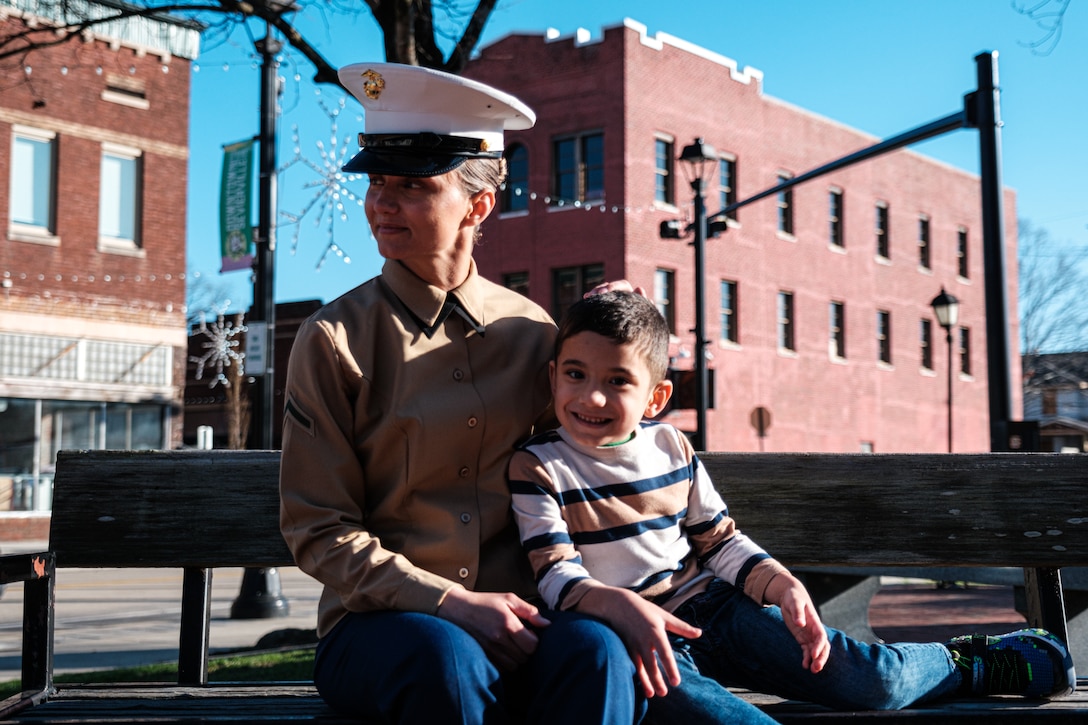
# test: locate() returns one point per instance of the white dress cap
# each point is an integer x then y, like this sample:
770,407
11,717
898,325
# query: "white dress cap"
416,111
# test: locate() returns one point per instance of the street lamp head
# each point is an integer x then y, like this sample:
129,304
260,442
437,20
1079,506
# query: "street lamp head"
699,160
947,309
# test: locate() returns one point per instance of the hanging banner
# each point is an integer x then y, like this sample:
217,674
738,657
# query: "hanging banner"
235,230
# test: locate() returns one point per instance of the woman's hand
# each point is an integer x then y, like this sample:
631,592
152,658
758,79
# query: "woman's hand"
617,285
801,619
496,621
643,626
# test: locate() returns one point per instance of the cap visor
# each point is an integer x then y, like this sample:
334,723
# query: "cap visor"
370,162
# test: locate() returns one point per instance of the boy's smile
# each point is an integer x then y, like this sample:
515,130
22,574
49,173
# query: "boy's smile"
603,390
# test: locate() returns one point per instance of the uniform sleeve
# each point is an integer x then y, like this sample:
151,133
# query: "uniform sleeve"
720,546
323,486
561,578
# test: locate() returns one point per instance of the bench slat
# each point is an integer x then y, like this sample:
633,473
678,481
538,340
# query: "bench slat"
1020,510
135,508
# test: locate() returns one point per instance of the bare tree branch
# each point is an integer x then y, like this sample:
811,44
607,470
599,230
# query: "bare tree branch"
1049,16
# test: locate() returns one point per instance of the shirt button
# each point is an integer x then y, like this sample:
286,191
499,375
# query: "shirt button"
472,422
463,573
463,472
458,375
465,518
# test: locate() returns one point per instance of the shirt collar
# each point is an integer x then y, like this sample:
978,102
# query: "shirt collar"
428,303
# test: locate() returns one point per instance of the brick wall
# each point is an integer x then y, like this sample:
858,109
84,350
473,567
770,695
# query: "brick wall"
637,88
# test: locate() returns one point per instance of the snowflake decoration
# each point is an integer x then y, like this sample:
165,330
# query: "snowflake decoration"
331,195
220,351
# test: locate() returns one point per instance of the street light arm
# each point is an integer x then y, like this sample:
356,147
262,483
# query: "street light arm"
950,122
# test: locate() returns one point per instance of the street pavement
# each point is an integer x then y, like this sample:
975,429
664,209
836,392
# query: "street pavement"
108,618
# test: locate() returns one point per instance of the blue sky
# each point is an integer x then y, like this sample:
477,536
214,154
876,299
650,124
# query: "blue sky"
880,66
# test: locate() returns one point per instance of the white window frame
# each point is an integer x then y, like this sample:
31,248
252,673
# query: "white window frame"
22,231
122,244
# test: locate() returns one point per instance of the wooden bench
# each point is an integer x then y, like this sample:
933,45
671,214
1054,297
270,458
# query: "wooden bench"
201,510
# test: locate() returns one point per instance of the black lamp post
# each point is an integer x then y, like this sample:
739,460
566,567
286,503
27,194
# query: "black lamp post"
947,309
699,160
260,596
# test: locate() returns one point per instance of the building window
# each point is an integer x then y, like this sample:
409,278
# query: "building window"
837,330
569,284
579,168
925,340
884,336
835,218
664,184
923,242
1050,402
965,350
515,190
663,296
119,197
785,206
786,322
33,181
729,321
727,184
517,281
961,252
883,231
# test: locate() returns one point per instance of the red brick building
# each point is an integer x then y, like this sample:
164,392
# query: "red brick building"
817,300
93,163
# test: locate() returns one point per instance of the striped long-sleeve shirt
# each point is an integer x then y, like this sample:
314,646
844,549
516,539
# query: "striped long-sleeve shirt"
642,515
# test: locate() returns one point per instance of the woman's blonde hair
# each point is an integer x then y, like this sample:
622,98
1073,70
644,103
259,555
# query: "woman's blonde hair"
479,174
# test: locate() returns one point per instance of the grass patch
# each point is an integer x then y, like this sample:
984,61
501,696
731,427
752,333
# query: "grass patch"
292,664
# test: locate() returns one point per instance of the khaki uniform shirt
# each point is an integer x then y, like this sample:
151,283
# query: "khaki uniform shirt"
398,428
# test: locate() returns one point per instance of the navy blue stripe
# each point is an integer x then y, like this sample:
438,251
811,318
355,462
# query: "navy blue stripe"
527,488
551,564
714,550
548,436
696,529
653,579
745,570
552,538
624,489
566,590
616,533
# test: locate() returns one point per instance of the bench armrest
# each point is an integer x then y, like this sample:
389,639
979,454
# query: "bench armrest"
37,571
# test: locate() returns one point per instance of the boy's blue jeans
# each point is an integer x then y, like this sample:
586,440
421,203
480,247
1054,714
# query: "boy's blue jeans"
406,667
747,645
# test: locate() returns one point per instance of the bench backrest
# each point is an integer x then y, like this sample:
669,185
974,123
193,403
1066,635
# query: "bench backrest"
990,509
204,509
221,508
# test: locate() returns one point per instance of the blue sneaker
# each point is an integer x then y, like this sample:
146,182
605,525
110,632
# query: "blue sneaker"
1028,662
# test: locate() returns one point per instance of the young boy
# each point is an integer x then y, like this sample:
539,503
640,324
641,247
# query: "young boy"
620,521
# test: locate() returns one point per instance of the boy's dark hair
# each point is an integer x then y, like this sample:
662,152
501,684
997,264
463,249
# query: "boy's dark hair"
624,318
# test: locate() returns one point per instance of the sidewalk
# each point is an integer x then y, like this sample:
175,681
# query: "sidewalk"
108,618
114,618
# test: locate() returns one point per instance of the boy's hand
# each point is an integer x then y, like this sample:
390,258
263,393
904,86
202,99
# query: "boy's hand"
801,619
643,627
496,621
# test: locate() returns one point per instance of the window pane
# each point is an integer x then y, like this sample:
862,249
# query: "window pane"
663,289
565,170
117,199
32,182
593,161
663,171
727,185
515,195
728,317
